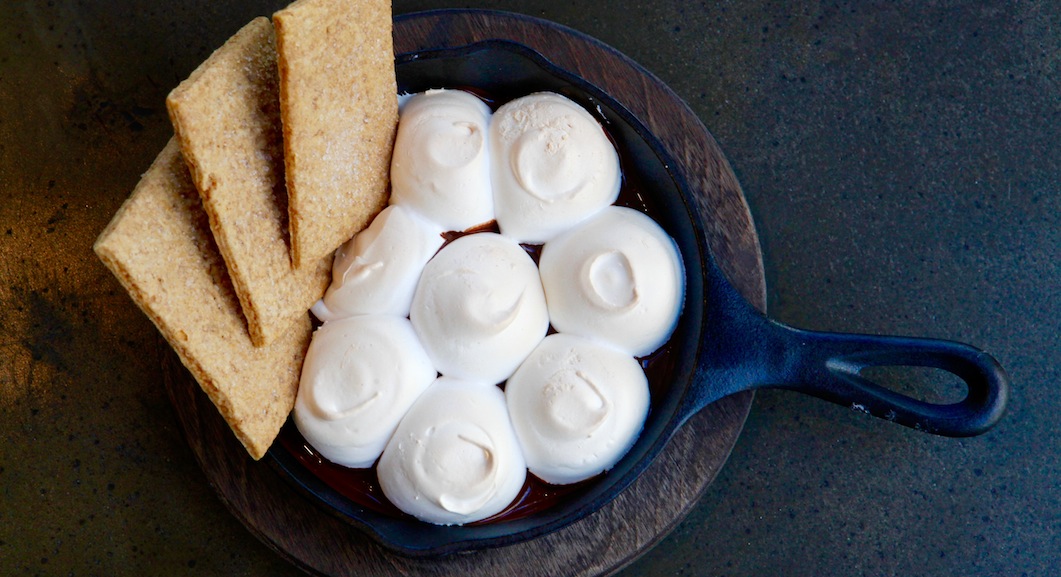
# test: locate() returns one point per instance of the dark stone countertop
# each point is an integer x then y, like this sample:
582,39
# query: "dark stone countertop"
901,161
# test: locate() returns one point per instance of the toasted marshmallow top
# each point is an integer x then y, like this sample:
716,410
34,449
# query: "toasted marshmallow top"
454,458
376,271
360,376
618,278
553,166
577,407
479,308
440,166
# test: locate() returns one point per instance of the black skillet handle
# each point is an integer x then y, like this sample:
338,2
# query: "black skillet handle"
829,366
746,350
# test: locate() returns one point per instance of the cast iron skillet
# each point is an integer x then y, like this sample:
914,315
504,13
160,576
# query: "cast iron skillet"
722,345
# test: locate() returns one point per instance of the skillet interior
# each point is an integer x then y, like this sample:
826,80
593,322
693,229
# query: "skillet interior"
504,70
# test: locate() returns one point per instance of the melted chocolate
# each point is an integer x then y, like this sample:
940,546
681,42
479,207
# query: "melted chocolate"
452,235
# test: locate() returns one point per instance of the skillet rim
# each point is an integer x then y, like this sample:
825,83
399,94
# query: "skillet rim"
425,541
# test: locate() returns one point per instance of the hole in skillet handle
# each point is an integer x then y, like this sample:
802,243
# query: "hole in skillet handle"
831,366
503,70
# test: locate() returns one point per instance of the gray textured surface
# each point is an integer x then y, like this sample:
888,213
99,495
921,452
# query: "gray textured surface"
903,167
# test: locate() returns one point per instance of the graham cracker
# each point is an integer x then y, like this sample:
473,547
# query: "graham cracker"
227,119
160,247
339,105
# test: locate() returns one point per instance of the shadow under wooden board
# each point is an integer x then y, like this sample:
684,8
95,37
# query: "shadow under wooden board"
646,511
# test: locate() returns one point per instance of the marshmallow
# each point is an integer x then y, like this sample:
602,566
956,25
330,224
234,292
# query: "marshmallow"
577,407
359,378
618,278
479,309
440,166
376,271
553,166
454,458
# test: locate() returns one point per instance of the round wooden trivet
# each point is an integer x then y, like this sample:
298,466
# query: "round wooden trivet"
605,541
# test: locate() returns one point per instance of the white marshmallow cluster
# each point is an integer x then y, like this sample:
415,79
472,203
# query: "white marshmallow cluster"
456,449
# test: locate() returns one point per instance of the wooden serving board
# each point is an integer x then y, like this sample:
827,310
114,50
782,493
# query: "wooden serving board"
605,541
